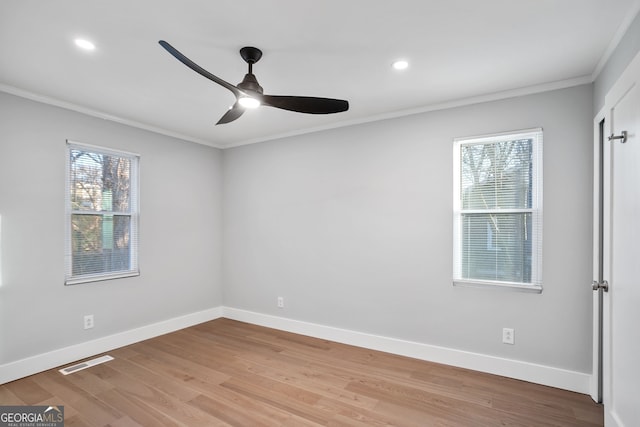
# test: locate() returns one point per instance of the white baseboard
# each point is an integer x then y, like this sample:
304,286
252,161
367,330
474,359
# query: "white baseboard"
540,374
42,362
531,372
593,387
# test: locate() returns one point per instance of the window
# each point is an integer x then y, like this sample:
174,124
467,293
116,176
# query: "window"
102,214
497,209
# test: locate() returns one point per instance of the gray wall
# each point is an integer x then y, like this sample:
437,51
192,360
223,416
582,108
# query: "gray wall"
353,227
626,50
180,231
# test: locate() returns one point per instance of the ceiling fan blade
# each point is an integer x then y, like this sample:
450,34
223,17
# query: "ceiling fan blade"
306,104
198,69
231,114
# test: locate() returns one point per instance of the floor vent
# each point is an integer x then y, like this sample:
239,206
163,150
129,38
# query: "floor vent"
84,365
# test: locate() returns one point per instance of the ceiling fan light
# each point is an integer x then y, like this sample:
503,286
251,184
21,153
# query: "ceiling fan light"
400,64
84,44
248,102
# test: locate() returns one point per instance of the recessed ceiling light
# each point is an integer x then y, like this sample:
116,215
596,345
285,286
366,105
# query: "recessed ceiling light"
400,64
84,44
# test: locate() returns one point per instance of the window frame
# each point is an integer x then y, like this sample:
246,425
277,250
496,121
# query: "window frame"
133,215
536,134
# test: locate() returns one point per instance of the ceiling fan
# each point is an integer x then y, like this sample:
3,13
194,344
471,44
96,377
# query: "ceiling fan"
249,93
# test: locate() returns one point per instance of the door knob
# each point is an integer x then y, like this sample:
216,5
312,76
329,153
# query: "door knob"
622,136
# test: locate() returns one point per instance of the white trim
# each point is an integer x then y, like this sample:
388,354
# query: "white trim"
535,373
629,17
490,137
101,115
487,284
101,277
593,386
620,88
612,420
624,83
99,148
133,214
472,211
496,96
52,359
536,210
526,371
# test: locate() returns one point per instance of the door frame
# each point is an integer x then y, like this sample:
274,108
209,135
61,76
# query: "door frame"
600,124
627,80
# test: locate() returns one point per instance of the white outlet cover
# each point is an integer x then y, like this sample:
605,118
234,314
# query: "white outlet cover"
508,336
88,321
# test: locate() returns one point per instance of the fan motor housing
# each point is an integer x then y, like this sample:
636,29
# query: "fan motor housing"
250,83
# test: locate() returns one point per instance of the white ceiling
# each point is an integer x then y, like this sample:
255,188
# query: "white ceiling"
458,50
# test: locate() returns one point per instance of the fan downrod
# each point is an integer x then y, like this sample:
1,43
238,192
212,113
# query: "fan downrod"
250,54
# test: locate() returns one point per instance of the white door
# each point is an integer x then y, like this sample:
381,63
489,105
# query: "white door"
621,317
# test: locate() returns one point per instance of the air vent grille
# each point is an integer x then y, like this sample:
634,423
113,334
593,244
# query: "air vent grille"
84,365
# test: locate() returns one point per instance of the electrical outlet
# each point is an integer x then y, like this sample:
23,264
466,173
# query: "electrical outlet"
280,302
508,336
88,321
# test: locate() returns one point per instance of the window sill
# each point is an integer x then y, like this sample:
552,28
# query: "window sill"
508,286
100,277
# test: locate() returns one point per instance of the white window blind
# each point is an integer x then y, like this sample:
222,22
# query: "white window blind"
498,210
102,214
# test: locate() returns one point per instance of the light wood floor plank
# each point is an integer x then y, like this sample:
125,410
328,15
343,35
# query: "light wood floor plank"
28,391
228,373
81,401
7,397
138,411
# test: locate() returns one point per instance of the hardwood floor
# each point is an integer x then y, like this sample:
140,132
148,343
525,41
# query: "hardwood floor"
231,373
